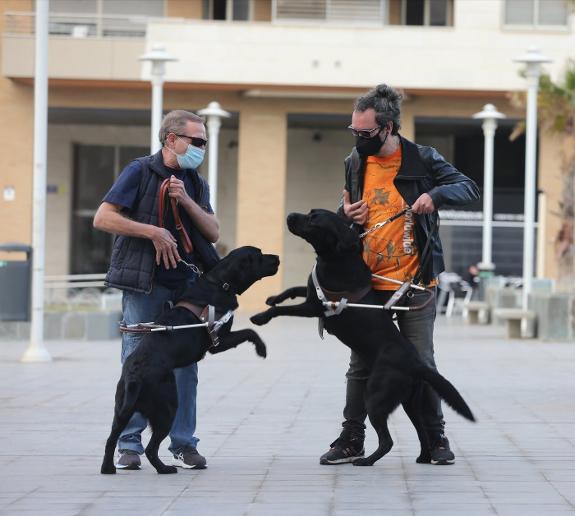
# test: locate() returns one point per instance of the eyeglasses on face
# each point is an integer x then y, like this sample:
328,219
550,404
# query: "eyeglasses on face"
365,133
196,142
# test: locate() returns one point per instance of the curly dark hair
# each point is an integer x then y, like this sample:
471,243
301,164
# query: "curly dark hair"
386,102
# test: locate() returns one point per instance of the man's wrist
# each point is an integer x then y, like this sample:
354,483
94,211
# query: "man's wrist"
150,231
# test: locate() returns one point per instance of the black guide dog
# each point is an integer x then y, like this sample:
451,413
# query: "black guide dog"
147,383
396,371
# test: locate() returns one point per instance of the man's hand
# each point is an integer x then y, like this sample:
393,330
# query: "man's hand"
356,211
423,204
176,189
166,248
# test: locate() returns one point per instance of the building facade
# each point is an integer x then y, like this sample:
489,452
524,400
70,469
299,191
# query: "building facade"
288,71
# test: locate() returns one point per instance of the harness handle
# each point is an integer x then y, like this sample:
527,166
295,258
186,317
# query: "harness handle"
383,223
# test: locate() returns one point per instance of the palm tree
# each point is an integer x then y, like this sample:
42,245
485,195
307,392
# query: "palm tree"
557,112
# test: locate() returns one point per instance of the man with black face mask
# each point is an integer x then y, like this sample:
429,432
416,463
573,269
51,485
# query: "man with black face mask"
385,174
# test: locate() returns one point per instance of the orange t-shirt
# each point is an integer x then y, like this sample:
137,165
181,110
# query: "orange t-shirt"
391,250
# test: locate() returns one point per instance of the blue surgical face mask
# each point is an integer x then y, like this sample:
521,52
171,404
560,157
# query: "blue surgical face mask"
192,158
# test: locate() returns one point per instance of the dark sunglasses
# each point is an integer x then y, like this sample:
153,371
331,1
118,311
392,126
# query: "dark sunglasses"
365,133
196,142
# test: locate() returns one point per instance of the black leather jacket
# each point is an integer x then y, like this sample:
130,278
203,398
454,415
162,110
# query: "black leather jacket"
422,170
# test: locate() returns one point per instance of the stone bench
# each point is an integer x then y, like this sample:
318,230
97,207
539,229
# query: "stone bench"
514,318
478,312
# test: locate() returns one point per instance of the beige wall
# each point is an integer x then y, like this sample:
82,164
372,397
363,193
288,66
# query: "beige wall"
261,188
184,9
16,149
262,10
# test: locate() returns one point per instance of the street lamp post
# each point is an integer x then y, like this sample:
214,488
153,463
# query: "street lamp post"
533,60
158,57
489,115
214,114
36,351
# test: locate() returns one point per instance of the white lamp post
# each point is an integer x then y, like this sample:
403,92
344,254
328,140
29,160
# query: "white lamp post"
158,57
489,115
533,60
214,114
36,351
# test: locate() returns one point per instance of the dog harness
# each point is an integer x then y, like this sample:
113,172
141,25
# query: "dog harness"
206,314
340,300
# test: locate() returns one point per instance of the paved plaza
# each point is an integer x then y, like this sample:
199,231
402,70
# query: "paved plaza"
264,423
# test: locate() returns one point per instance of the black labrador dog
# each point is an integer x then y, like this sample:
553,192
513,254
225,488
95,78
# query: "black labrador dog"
396,371
147,383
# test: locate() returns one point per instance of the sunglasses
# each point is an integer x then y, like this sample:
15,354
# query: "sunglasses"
365,133
196,142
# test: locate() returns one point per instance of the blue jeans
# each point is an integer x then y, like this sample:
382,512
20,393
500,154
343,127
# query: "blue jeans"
138,307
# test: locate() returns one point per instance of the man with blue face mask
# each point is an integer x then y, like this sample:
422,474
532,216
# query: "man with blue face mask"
153,258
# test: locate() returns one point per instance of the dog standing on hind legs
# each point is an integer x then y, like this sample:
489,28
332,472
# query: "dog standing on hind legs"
397,373
147,384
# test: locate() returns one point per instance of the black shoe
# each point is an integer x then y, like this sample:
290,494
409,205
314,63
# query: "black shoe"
343,450
441,453
189,458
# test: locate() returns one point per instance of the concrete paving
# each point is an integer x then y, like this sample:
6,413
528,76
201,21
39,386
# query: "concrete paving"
264,423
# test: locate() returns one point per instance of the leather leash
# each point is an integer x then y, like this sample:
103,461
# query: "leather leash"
185,239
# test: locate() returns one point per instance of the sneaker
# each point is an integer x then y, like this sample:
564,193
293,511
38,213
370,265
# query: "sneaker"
128,460
441,453
189,458
343,450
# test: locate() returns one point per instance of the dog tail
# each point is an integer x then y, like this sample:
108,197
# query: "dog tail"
447,392
131,392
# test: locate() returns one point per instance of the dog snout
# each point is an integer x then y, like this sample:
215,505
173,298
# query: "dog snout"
272,262
295,221
274,259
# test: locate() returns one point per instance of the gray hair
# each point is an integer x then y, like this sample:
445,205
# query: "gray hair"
386,102
175,122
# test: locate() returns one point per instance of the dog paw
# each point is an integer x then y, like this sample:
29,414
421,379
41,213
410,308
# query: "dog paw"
424,458
108,470
271,301
260,319
167,470
261,349
364,461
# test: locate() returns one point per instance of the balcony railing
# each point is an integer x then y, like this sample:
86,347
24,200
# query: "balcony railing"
79,25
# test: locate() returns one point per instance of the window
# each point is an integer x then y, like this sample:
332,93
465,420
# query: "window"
342,11
427,12
533,13
373,12
95,169
84,18
236,10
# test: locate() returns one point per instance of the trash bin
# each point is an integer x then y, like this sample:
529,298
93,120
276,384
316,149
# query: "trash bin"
15,284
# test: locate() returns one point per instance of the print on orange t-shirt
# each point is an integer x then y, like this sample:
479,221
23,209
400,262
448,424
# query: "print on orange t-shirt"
391,250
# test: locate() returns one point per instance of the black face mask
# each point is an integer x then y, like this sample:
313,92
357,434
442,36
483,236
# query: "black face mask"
370,146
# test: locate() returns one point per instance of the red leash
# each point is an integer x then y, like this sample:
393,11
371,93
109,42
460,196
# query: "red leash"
185,239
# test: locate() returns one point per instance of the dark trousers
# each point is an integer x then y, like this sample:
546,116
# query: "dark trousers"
417,326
